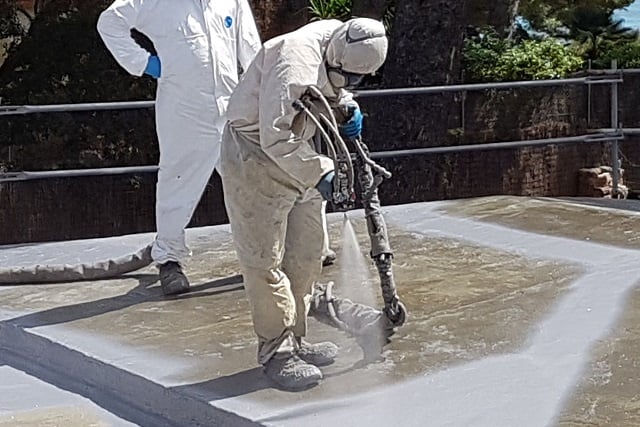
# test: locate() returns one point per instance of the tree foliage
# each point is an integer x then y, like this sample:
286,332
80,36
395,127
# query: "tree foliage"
591,27
551,15
345,9
625,52
328,9
488,57
588,25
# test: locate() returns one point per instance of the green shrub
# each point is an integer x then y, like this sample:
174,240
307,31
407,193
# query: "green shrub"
481,55
330,9
538,60
342,10
627,53
490,58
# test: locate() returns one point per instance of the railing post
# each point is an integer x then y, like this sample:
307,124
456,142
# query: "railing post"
589,98
615,125
463,105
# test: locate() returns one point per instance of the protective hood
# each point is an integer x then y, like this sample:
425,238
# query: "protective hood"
358,46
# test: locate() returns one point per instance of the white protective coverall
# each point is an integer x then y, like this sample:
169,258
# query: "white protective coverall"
270,169
199,43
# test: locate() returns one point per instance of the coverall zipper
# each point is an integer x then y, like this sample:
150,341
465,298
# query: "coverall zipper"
212,61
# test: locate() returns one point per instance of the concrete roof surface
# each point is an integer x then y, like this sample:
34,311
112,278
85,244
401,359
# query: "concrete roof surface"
522,312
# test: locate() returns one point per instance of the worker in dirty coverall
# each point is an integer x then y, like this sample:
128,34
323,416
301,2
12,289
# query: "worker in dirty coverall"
199,44
274,181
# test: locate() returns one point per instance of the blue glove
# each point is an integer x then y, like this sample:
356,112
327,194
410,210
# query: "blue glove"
153,67
353,128
325,186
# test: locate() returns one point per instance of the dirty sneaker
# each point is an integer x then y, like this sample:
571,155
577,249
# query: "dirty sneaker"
329,258
320,354
172,279
292,373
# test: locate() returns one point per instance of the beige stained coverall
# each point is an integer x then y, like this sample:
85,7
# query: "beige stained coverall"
270,169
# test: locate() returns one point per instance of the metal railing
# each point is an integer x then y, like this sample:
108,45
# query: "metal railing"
612,77
594,137
605,79
14,110
67,173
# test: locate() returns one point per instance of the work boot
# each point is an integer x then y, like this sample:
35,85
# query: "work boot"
329,258
292,373
172,279
320,354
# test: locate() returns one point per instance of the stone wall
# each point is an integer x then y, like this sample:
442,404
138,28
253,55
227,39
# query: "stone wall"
493,116
79,208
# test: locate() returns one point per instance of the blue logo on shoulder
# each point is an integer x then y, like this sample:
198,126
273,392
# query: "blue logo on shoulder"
228,21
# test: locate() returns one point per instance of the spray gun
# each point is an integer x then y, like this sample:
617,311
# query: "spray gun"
344,195
361,157
370,176
348,165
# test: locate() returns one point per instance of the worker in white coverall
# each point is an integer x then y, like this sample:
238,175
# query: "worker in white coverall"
274,181
199,44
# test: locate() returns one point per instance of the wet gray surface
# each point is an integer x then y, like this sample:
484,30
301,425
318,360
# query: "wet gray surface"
522,312
607,221
609,391
27,401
